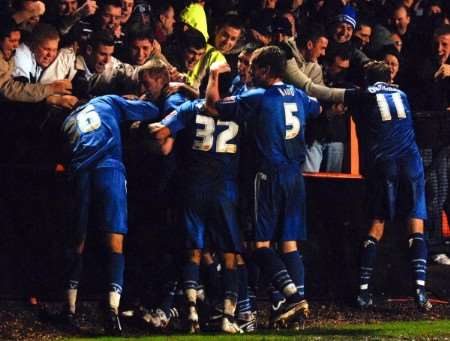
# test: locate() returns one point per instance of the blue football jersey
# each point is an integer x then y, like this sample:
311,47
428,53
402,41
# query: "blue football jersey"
93,130
383,117
209,147
172,102
275,119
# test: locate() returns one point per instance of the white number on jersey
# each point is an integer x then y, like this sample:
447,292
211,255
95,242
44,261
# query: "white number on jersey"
291,120
88,119
206,137
385,111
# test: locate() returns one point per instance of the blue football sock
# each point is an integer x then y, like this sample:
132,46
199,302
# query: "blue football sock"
74,266
275,296
115,272
418,254
212,282
243,303
190,275
231,285
294,264
367,262
253,279
270,263
168,302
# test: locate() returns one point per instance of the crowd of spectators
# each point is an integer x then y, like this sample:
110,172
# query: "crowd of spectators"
59,52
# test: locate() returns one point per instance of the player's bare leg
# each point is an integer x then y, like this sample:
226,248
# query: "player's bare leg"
230,296
190,278
418,255
116,267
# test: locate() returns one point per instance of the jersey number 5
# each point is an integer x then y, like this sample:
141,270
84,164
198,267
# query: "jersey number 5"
206,135
292,121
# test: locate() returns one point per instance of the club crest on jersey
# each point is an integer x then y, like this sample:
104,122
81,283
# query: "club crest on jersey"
286,91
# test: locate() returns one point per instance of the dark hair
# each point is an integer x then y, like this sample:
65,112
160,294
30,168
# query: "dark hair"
192,38
101,37
8,25
342,51
138,31
232,20
363,22
389,49
270,56
159,7
115,3
311,33
442,31
43,32
377,71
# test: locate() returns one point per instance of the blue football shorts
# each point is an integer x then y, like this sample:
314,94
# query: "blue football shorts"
279,211
397,187
210,218
101,197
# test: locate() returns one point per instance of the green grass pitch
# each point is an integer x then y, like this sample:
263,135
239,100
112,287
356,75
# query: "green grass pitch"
412,330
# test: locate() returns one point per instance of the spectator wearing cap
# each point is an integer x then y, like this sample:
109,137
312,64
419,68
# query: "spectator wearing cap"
341,34
343,25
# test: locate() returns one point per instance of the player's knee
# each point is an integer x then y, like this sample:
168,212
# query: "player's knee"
230,260
289,246
195,256
240,260
115,242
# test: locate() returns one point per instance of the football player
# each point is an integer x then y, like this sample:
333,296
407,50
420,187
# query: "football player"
395,173
92,134
275,114
209,200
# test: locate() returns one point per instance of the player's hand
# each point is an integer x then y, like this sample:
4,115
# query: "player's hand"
88,8
176,76
65,101
131,97
173,87
36,8
442,72
117,31
219,67
135,125
156,47
62,87
159,132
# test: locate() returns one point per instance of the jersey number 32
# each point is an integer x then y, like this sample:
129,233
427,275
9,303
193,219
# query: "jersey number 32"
205,135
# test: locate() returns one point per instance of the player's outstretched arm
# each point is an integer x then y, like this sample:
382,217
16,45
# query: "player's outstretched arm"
212,90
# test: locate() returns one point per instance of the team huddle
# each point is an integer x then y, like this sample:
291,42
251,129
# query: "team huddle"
240,194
